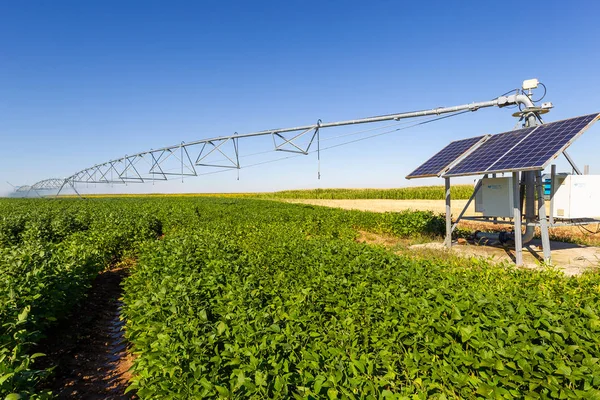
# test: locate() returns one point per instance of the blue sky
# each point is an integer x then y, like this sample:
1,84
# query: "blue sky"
82,82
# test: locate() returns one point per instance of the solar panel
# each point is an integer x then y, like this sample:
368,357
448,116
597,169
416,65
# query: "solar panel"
547,141
480,160
523,149
445,157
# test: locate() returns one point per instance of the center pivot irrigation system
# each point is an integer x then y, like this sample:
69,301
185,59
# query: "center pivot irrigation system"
523,153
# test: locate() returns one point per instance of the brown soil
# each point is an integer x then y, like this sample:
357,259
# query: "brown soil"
377,239
437,206
88,349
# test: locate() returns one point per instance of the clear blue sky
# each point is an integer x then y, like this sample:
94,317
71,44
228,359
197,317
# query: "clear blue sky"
82,82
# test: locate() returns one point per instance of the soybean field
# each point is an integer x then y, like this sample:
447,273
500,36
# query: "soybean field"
239,298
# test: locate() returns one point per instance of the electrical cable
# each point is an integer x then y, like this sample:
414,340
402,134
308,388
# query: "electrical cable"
544,95
510,91
396,130
582,228
369,130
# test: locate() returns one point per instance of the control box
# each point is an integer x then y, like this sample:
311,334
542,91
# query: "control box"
495,197
577,196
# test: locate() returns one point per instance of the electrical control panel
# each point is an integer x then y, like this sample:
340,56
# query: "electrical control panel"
495,197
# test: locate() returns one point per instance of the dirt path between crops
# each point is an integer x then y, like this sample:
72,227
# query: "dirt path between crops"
437,206
88,349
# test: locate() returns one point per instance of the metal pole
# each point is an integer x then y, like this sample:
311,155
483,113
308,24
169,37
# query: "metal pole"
517,220
543,221
552,191
73,187
318,150
501,101
529,178
573,165
495,219
61,187
448,241
529,197
464,210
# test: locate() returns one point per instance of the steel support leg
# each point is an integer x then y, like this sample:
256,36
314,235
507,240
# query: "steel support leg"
61,187
573,165
542,217
530,212
448,241
75,190
464,210
552,190
517,219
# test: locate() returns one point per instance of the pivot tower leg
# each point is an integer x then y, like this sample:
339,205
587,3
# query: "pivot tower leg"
542,216
517,219
448,241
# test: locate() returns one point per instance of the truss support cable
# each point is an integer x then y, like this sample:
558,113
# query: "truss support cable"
318,149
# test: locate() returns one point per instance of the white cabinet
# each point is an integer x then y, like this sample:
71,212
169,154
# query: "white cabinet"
577,196
495,197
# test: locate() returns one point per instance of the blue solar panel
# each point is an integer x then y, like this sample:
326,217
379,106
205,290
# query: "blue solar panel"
436,164
547,141
523,149
489,152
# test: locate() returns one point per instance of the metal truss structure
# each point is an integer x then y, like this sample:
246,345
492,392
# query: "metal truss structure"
41,186
184,159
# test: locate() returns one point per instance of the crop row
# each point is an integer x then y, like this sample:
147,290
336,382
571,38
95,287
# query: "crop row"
247,298
260,300
50,251
48,258
458,192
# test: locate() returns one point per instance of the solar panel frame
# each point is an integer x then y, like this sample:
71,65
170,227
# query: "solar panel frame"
446,157
515,156
478,161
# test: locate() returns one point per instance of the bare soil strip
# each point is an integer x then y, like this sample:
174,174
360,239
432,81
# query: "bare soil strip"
376,205
88,349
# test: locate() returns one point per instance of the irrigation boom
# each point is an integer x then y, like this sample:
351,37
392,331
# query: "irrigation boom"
183,159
